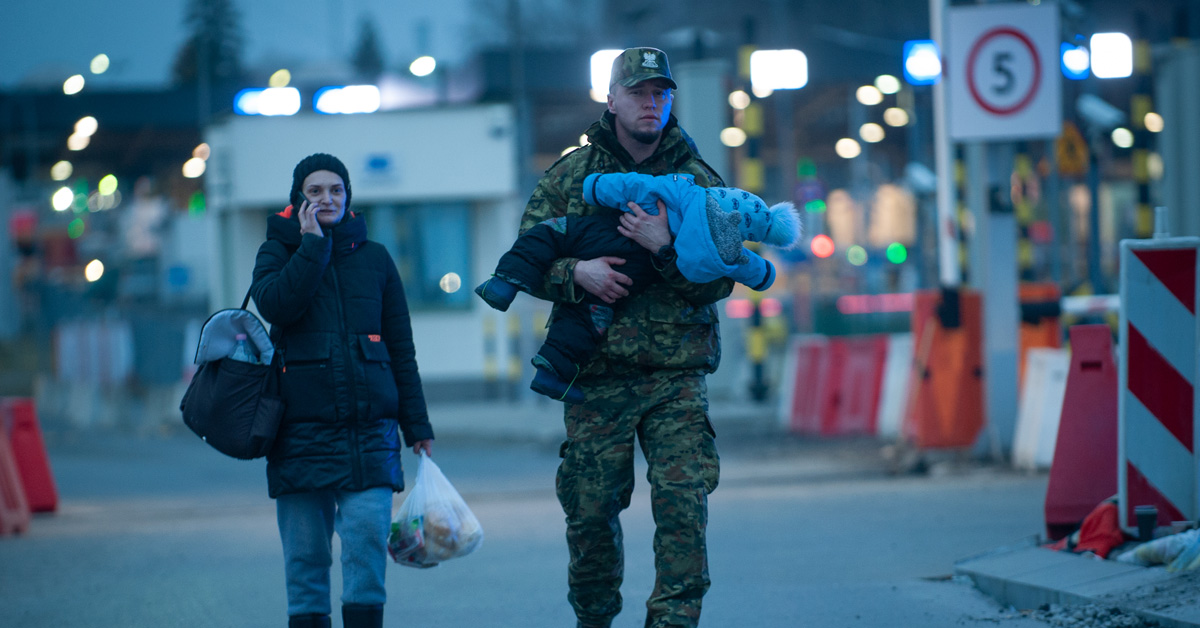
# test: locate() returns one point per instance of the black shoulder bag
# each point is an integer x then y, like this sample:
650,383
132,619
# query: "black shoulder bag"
234,406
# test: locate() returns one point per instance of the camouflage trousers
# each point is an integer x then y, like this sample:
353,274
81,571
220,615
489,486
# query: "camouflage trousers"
667,413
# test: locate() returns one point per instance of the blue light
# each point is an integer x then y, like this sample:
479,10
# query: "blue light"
922,62
347,99
1075,61
272,101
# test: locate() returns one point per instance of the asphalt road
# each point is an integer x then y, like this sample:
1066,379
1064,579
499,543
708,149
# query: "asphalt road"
165,532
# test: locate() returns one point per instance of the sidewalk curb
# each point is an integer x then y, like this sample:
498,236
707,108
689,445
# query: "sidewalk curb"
1030,577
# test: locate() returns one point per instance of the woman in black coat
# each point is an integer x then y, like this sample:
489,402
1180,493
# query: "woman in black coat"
349,379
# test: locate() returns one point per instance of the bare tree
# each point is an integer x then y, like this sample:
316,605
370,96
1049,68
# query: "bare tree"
368,54
213,49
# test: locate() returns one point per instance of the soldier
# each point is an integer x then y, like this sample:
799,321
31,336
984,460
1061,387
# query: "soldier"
647,381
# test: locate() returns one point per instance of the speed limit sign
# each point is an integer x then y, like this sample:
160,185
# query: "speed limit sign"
1002,76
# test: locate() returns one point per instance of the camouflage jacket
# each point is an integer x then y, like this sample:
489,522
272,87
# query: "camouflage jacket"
672,324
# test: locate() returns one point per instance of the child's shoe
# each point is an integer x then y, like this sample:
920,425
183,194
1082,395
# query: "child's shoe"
497,292
546,382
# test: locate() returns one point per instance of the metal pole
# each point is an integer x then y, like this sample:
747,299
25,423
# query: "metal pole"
947,223
1095,277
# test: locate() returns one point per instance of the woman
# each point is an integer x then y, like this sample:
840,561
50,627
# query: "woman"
349,378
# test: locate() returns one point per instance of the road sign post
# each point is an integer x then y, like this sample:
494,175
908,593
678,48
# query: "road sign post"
1002,84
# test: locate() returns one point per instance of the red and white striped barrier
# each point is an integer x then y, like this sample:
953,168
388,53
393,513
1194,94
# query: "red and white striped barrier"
1158,410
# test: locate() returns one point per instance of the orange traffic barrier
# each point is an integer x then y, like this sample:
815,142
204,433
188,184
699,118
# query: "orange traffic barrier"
14,509
1039,321
945,404
29,450
850,403
1084,470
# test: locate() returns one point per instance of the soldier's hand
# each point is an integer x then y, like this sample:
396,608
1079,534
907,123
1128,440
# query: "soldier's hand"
598,277
650,231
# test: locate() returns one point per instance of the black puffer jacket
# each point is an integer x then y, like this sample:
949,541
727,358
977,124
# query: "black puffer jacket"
338,314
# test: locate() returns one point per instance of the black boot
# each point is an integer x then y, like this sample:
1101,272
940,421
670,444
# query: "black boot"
309,621
362,616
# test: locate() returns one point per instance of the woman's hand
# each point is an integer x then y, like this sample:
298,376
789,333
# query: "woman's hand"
308,218
424,445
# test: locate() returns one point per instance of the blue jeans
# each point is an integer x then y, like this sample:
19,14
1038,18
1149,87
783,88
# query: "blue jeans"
307,522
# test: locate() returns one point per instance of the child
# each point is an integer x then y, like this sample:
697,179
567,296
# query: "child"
708,225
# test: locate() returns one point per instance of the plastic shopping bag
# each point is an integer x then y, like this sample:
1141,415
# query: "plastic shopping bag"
433,524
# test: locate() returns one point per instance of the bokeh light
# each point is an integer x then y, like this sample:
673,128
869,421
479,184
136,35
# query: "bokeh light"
78,142
73,85
99,64
871,133
194,168
739,99
856,255
423,66
61,171
75,228
107,185
896,253
1122,137
869,95
847,148
62,199
280,78
1153,122
202,151
887,83
450,283
1154,166
895,116
822,246
94,270
86,126
733,136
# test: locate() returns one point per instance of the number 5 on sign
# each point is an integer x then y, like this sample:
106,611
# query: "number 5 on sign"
1002,74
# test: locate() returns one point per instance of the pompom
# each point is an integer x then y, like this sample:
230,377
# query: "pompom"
784,229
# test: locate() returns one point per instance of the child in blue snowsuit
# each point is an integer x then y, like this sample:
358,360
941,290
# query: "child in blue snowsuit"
709,226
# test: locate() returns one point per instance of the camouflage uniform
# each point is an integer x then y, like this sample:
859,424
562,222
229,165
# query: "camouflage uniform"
646,381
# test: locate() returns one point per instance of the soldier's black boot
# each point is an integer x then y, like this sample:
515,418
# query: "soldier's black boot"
362,616
309,621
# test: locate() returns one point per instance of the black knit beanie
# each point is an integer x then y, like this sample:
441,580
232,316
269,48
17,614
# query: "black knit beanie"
313,163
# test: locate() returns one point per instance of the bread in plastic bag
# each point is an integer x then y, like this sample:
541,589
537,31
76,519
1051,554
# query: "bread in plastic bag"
433,524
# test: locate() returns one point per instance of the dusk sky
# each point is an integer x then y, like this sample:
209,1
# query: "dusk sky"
46,41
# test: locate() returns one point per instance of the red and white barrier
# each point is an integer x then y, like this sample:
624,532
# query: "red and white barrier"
805,374
893,398
1038,414
1158,406
833,386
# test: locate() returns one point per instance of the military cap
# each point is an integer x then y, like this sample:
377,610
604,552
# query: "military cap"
635,65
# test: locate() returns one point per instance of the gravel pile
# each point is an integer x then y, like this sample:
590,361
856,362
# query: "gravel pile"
1089,616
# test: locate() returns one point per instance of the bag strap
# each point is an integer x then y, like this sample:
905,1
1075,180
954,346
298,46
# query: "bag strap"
246,301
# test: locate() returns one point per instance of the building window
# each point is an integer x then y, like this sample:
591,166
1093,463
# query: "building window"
430,243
